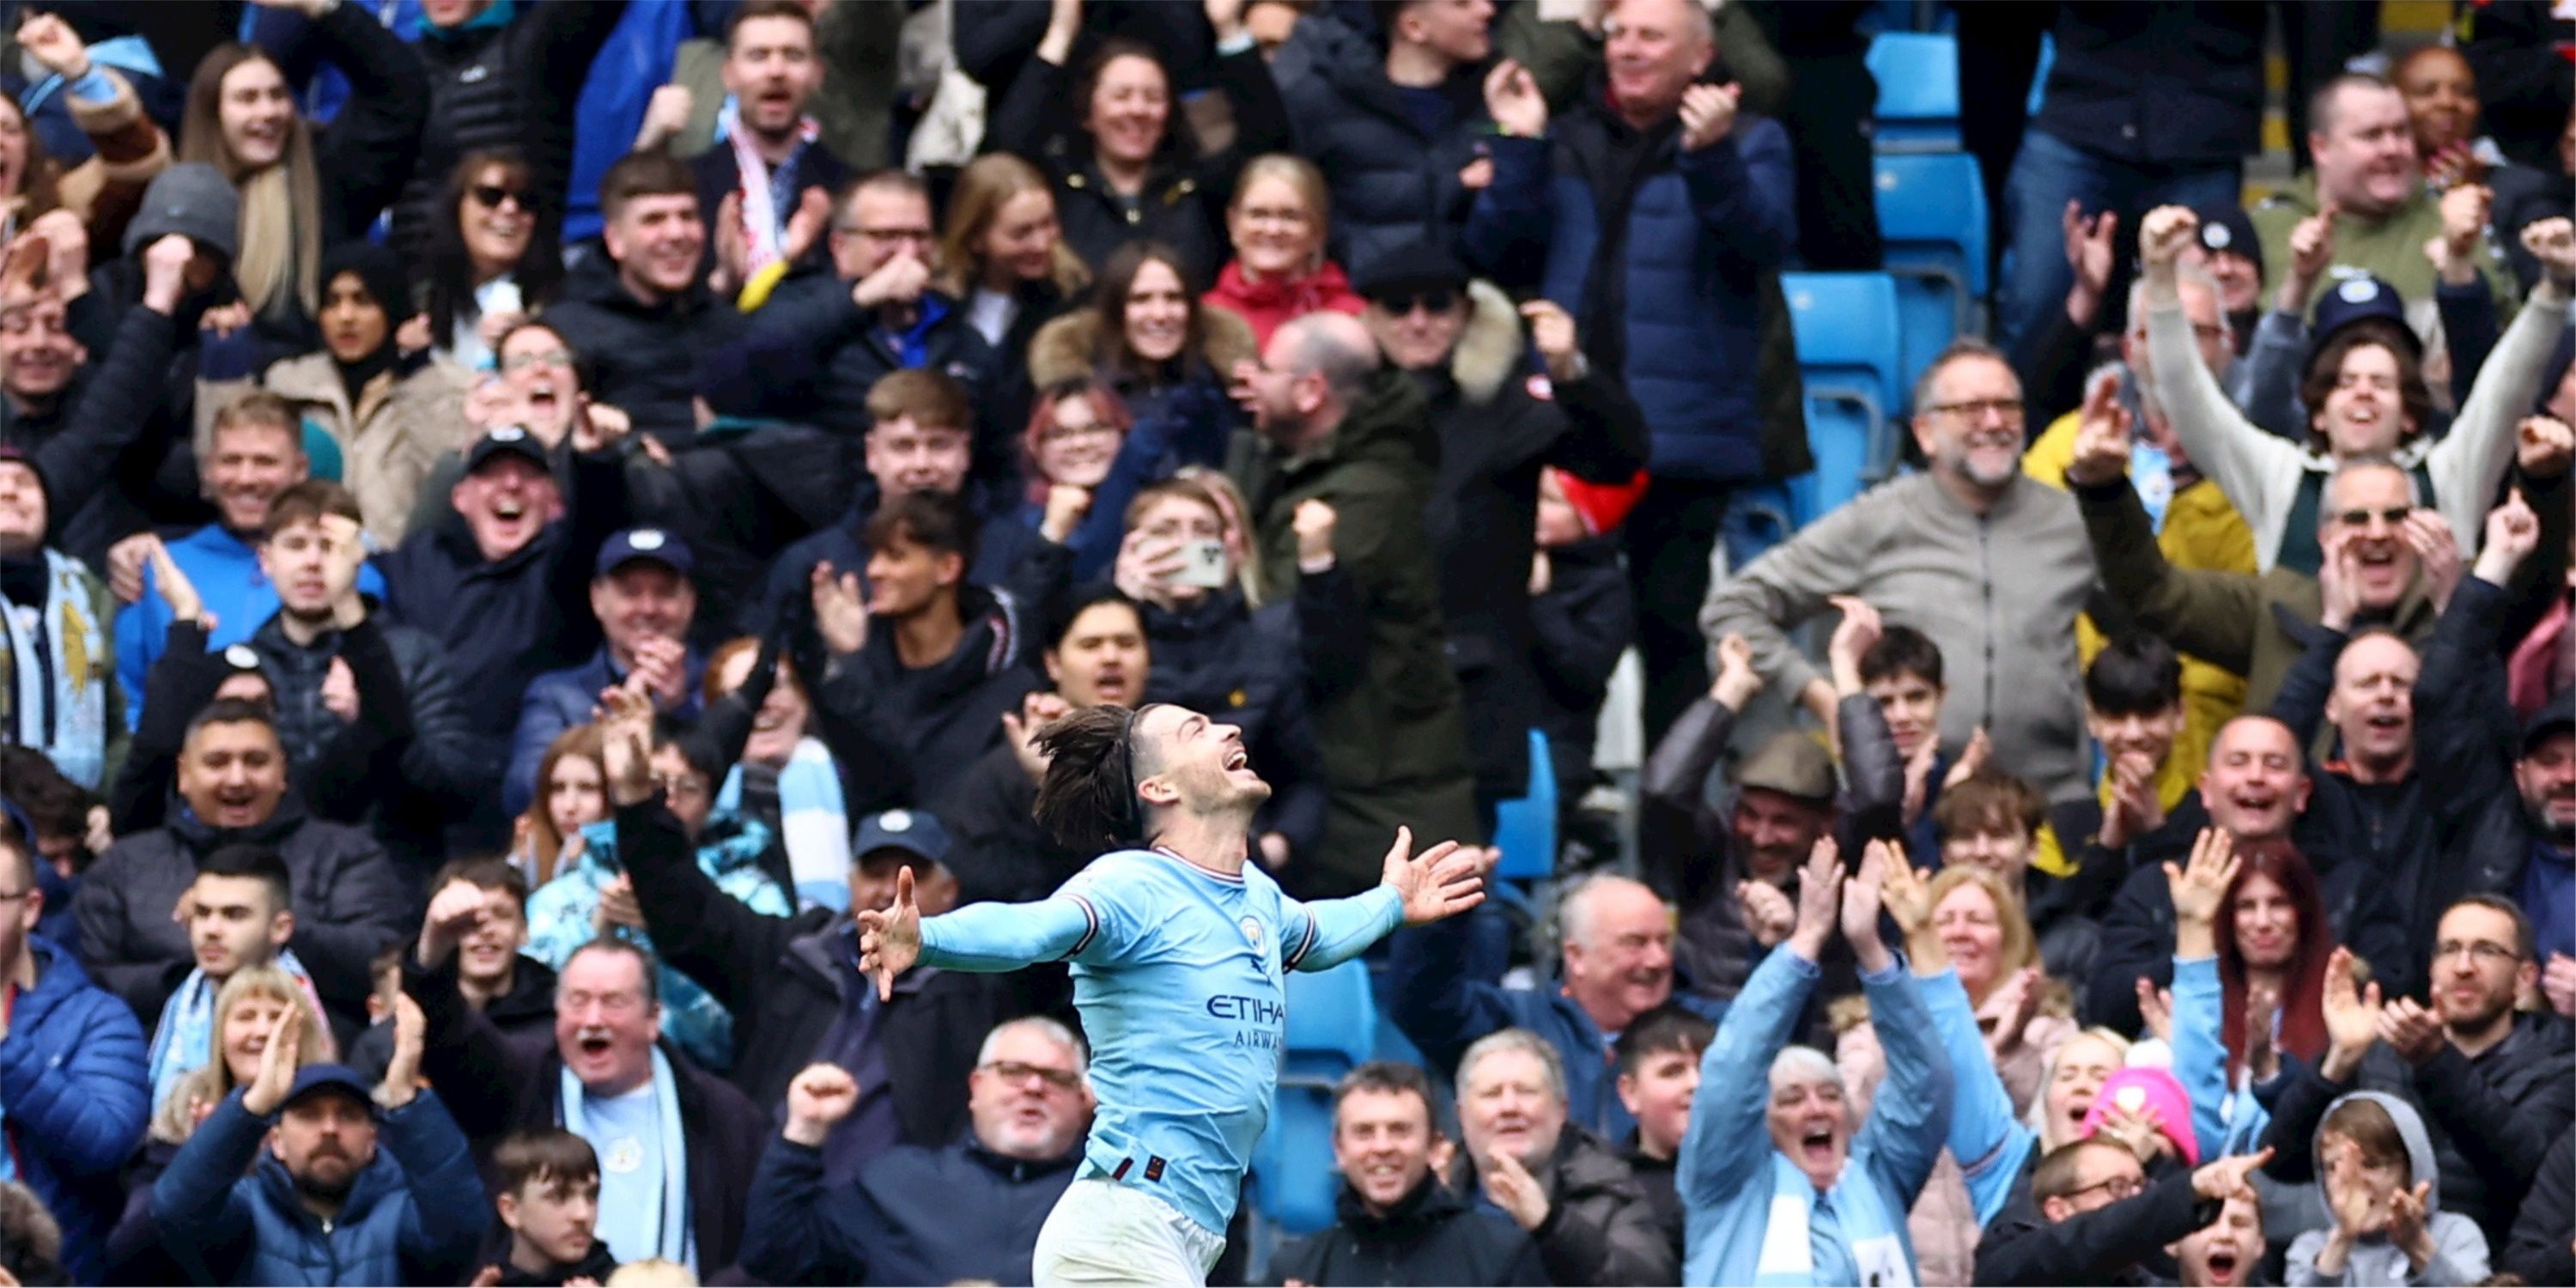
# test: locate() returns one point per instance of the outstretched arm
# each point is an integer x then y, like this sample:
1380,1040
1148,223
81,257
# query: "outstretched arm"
1008,936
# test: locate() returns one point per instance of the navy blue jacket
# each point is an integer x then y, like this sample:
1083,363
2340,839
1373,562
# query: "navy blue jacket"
644,358
412,1214
72,1076
1663,256
559,700
813,325
1444,982
916,1216
1002,544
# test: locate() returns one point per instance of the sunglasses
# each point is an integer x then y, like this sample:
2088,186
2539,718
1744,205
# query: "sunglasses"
1438,299
491,195
2361,518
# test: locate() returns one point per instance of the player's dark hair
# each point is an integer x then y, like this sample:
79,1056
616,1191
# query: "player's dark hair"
1088,798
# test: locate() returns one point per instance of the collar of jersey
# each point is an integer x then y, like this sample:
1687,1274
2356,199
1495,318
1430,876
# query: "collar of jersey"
1231,878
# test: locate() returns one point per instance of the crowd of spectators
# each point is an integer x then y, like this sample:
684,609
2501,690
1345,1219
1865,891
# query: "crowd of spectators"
519,518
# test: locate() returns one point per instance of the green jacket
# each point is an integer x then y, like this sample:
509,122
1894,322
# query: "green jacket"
2391,249
1384,700
2251,624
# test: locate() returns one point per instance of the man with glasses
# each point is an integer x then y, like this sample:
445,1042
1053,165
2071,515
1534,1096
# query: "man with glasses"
1988,562
815,350
966,1211
2099,1218
2496,1086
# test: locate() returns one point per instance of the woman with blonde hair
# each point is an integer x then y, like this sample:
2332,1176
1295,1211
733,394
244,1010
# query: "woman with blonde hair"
1278,221
1970,925
246,1012
1004,258
301,187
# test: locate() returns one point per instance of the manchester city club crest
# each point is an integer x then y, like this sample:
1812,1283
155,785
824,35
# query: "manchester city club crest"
1251,931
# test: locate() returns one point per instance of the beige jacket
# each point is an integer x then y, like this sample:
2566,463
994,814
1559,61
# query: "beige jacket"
391,440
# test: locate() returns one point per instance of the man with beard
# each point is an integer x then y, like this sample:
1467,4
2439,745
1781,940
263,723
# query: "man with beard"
1398,1223
137,902
765,188
2496,1087
319,1195
968,1210
1986,561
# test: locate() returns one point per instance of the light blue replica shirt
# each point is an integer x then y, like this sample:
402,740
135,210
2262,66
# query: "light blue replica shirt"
626,1131
1178,971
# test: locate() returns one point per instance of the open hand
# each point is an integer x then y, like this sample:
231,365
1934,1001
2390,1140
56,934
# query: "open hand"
277,1064
1513,100
840,610
1820,897
1768,914
1443,881
1509,1186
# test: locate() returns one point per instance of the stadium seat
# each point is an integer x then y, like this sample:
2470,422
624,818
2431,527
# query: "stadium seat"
1525,828
1332,1028
1918,91
1932,213
1850,352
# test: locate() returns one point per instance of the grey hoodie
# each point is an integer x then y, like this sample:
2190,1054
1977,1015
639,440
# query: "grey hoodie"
2459,1248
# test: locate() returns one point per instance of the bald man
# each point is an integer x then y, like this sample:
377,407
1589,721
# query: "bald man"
1335,471
1445,990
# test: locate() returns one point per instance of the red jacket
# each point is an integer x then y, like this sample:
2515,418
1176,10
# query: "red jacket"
1270,303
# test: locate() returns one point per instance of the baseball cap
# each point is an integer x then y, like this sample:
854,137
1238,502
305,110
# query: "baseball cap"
909,831
649,545
1414,266
2359,299
1792,764
2557,716
314,1079
2137,1090
505,438
2226,228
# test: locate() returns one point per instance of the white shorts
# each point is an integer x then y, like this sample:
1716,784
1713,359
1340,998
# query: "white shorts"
1105,1232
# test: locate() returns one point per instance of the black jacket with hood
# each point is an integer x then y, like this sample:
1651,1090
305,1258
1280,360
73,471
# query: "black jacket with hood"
1430,1237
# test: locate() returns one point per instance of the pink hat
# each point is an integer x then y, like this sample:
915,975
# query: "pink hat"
2140,1089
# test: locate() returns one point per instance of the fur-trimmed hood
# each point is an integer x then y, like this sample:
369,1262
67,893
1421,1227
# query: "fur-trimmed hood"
1489,351
1068,348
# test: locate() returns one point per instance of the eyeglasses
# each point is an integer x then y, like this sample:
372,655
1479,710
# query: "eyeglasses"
542,357
2483,952
689,785
2118,1187
1438,299
1012,1071
491,195
2392,516
2009,409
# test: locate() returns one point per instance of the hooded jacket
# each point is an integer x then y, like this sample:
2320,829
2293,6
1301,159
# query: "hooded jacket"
1430,1237
936,719
1499,426
1392,182
1069,348
411,1214
1392,732
391,435
349,902
72,1076
2459,1250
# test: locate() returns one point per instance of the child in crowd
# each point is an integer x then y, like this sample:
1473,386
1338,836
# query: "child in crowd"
546,1189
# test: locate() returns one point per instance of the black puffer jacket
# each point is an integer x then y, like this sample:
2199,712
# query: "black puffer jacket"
1392,183
644,358
1431,1237
349,902
512,85
406,763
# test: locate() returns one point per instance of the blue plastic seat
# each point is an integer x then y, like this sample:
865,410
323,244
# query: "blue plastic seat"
1932,215
1331,1029
1850,355
1525,827
1918,91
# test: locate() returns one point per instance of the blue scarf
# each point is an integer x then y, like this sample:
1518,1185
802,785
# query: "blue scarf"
1866,1232
670,1216
57,699
813,821
184,1041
